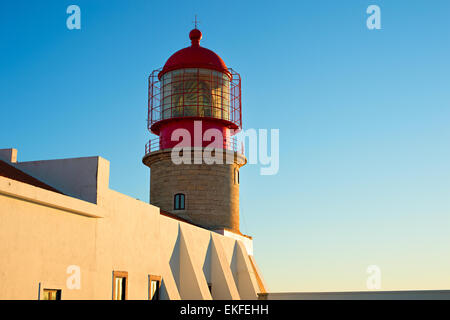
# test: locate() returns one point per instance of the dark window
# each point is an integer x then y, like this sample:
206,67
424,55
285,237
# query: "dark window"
52,294
236,176
178,201
120,285
154,283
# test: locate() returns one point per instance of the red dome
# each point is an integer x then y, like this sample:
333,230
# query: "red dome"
194,56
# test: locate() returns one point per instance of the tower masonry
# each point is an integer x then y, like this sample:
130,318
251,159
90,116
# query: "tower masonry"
194,108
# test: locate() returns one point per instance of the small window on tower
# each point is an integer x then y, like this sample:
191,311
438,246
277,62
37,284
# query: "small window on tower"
178,202
236,176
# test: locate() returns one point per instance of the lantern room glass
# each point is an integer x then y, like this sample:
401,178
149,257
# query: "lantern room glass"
195,92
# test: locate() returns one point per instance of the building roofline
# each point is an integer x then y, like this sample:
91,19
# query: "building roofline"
11,172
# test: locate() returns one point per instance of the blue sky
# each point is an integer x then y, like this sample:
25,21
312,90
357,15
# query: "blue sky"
363,116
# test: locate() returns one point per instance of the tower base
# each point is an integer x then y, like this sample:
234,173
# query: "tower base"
211,191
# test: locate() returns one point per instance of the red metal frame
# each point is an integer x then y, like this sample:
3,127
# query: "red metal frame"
229,103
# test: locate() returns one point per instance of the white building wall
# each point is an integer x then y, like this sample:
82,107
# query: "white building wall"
42,233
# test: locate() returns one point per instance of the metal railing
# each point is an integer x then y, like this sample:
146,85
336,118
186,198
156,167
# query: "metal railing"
231,143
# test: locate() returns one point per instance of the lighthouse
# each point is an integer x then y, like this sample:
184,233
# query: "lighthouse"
194,107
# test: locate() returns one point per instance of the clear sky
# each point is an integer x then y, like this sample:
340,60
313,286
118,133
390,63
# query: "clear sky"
364,120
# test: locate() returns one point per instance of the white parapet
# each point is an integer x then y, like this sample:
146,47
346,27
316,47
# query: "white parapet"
246,240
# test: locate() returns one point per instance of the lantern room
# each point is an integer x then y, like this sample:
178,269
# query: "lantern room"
194,84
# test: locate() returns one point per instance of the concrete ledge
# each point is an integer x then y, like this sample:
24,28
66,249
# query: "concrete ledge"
202,153
359,295
23,191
